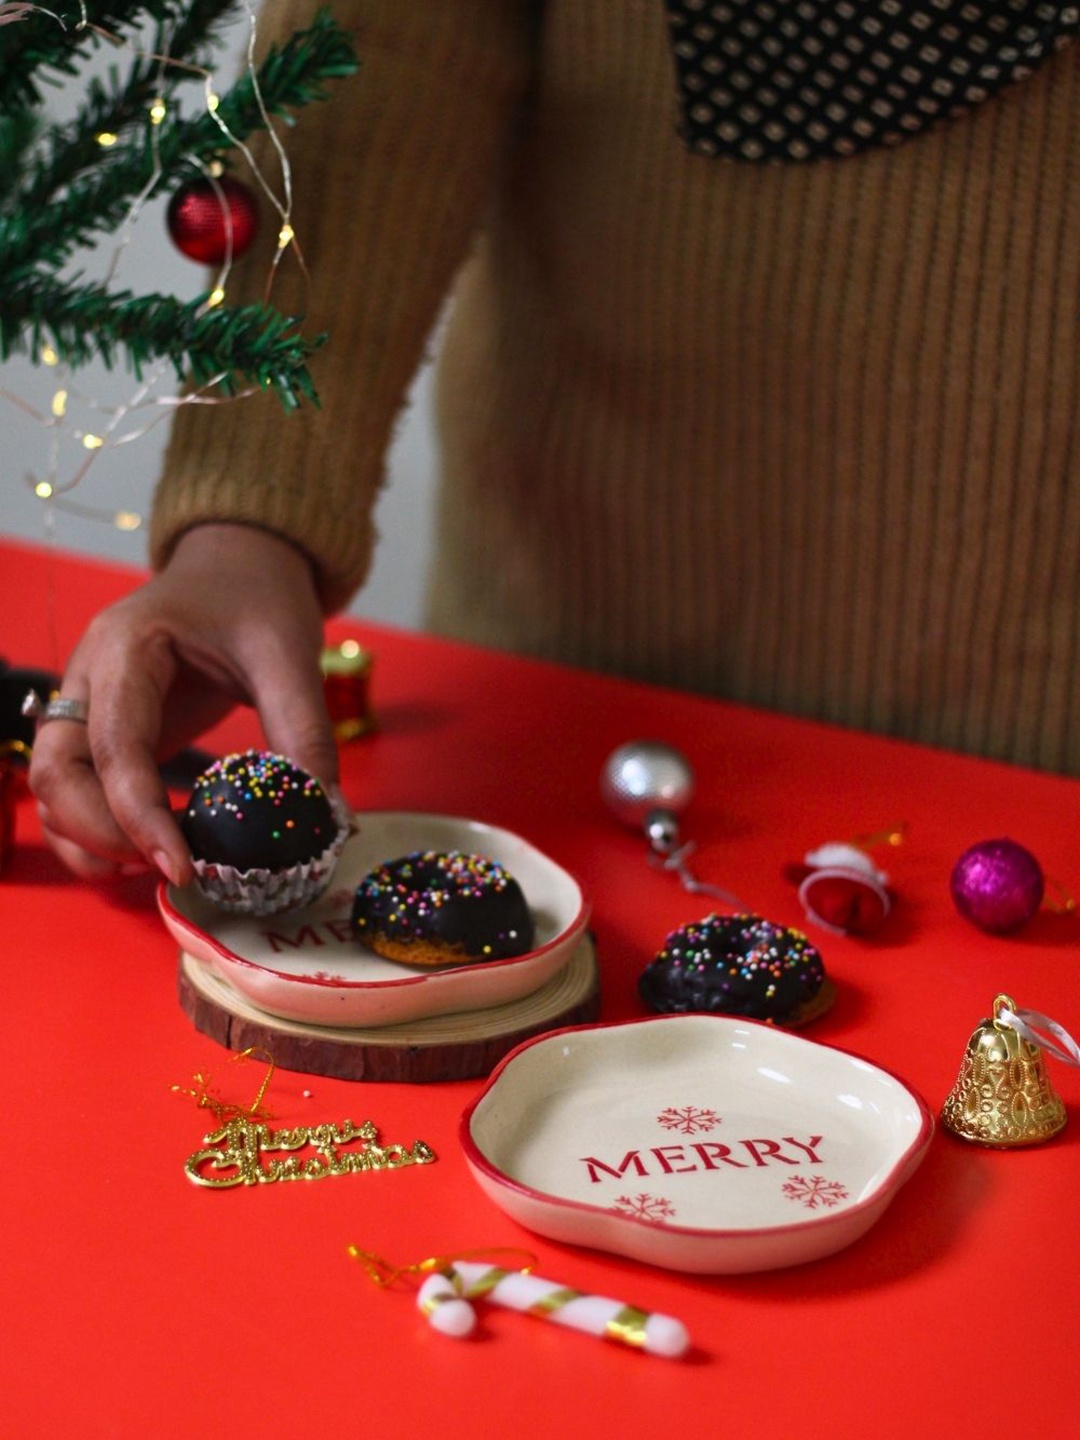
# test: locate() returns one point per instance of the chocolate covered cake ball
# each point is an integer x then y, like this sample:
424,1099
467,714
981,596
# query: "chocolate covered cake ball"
738,965
435,907
263,833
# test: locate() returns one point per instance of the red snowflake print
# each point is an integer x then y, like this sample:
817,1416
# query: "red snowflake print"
687,1118
645,1207
814,1191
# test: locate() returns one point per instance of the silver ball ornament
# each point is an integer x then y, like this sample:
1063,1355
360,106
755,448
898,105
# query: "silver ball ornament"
647,784
646,781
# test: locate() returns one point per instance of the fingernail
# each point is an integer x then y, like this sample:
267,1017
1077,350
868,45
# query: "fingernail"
164,862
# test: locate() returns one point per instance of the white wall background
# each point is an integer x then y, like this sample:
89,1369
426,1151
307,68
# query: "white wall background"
122,478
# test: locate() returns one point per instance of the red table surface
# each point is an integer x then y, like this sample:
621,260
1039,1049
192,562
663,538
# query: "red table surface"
139,1304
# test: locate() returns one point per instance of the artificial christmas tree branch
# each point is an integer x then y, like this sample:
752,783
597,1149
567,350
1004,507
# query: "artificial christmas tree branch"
84,322
62,187
98,199
58,41
65,151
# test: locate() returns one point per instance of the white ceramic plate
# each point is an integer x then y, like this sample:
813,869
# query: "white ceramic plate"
304,965
695,1142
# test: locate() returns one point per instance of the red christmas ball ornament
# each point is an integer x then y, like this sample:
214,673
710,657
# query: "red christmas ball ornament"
213,220
841,889
997,885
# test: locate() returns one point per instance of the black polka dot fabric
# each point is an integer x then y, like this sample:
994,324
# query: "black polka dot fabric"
768,80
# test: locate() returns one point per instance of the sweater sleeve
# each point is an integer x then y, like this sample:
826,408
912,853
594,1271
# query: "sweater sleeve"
391,177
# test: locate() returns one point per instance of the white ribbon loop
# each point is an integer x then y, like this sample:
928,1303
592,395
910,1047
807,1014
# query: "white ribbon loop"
1028,1023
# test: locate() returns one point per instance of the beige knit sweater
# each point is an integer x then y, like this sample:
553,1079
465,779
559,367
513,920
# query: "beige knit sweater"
799,435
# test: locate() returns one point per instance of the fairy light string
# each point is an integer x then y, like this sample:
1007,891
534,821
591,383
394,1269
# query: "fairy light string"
74,420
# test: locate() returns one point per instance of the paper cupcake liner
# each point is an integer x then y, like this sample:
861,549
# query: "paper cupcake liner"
266,892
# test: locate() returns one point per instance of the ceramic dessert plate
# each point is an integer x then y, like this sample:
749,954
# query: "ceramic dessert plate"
694,1142
304,965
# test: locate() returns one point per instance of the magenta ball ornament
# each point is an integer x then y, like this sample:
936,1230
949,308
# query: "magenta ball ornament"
998,885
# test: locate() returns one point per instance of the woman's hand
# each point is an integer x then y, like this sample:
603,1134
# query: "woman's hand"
234,618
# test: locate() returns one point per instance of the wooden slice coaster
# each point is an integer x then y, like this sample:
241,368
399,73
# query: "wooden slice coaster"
438,1047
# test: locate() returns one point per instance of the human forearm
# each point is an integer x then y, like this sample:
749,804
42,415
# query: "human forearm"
232,618
391,179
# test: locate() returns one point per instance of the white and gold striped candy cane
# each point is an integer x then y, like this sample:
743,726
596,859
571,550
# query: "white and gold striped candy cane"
445,1294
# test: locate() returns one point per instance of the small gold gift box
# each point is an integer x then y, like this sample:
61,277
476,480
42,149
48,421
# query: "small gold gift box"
346,671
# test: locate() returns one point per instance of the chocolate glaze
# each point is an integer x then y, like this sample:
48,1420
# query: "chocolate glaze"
464,905
733,965
257,811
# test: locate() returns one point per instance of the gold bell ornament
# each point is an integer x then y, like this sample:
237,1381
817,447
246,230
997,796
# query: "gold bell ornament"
1003,1095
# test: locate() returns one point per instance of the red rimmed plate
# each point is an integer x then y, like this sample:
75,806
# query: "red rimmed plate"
694,1142
304,965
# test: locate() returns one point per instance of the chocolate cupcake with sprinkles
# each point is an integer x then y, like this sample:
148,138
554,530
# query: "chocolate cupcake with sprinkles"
738,965
264,835
442,907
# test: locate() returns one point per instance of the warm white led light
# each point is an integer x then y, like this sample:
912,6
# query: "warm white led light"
58,412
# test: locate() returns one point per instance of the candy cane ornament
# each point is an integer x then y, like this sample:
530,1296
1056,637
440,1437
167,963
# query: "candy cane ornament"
440,1299
445,1294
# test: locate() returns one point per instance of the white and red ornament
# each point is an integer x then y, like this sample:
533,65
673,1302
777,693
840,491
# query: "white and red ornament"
841,889
998,885
213,220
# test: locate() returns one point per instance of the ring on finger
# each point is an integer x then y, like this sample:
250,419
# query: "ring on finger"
61,707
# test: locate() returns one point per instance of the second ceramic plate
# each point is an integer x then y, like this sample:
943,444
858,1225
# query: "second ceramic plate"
694,1142
304,965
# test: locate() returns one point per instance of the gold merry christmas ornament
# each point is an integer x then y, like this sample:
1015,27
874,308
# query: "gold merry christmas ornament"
1003,1095
234,1151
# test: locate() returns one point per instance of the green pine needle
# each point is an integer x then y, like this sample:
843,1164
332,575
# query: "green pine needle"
240,344
59,190
49,44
